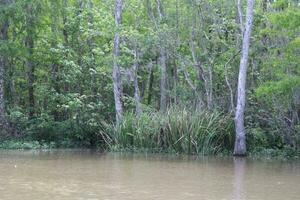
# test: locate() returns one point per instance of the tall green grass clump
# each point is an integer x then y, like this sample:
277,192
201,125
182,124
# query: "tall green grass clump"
179,130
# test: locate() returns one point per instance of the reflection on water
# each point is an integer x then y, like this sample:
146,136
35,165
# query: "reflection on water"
239,176
82,175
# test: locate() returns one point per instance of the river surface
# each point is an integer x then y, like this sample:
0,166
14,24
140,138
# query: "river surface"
88,175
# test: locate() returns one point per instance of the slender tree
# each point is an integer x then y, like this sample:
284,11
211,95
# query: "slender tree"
91,44
137,96
240,137
29,42
3,62
54,65
150,83
65,22
116,70
163,63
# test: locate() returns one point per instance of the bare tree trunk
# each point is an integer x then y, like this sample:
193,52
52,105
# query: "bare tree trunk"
210,87
116,70
150,86
3,62
54,66
3,119
65,31
66,43
31,68
239,20
163,80
13,98
80,44
240,16
240,138
175,69
163,65
162,54
54,30
137,97
175,81
91,44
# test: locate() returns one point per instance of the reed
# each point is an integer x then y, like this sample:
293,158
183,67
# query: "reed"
179,130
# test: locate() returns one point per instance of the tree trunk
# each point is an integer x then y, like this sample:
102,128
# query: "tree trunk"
116,70
163,80
162,53
54,30
65,31
240,16
210,102
79,45
150,86
163,65
54,67
137,97
175,81
30,64
2,101
91,45
240,137
3,62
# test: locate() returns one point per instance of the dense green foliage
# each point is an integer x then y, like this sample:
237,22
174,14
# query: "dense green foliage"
59,89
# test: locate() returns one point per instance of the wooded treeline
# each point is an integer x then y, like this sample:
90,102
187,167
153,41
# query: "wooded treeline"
70,68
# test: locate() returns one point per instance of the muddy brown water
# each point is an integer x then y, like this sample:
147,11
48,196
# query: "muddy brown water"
88,175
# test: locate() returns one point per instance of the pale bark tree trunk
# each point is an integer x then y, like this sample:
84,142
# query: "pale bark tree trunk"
29,42
163,65
163,80
91,44
13,98
150,85
3,61
116,70
79,45
175,81
240,16
65,31
239,20
137,97
210,87
54,66
240,137
64,14
54,30
162,54
175,69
